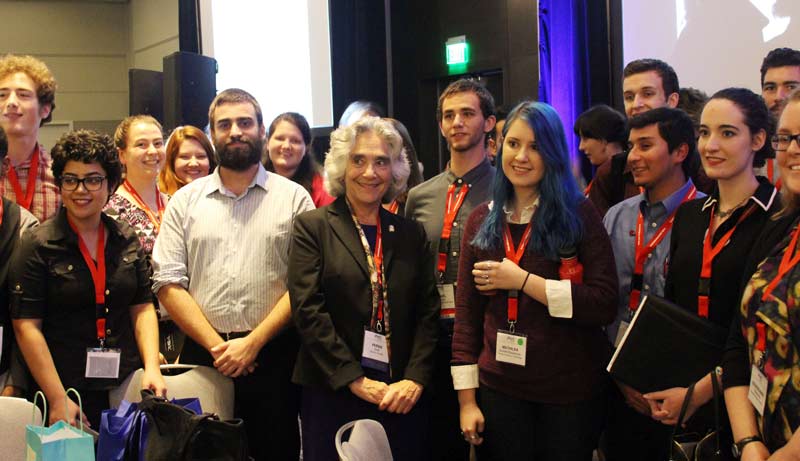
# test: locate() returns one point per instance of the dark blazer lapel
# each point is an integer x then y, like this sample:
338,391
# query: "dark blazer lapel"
342,224
389,231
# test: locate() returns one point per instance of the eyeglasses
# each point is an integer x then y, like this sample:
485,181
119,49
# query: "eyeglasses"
781,142
90,183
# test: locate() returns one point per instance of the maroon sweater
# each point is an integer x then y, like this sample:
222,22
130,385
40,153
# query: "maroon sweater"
566,358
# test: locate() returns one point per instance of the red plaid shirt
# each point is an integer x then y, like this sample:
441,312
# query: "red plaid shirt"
47,198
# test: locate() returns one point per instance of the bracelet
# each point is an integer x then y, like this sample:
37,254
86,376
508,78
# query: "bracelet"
526,281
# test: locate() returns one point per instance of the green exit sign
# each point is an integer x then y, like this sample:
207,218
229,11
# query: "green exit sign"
457,50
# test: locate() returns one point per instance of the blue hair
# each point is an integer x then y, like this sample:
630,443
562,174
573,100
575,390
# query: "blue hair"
556,223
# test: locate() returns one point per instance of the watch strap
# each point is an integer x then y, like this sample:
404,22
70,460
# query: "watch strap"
740,444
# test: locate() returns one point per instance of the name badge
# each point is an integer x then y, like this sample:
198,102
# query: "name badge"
623,327
102,363
511,347
447,296
375,354
758,390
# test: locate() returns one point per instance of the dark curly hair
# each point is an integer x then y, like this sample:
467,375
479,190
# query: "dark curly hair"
87,146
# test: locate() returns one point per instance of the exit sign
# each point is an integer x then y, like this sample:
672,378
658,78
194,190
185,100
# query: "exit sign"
457,50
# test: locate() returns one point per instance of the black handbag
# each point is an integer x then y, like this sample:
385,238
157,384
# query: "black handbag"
694,446
176,433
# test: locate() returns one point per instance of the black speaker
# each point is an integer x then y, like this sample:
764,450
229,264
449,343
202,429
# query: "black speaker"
146,93
190,84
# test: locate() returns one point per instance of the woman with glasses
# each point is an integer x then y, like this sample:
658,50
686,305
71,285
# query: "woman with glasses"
762,360
80,289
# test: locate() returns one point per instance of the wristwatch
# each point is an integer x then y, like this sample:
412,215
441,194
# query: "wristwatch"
739,446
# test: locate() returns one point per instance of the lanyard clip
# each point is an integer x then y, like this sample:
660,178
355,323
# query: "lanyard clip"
379,326
511,325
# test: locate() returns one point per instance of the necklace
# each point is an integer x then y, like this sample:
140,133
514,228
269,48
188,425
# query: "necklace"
725,214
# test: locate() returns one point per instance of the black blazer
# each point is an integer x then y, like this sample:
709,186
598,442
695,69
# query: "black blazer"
332,302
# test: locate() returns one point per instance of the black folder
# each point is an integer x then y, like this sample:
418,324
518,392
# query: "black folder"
666,346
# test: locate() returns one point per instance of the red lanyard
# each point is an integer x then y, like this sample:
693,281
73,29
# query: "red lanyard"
642,252
1,211
515,255
450,212
98,272
394,206
378,258
788,261
25,200
709,253
140,203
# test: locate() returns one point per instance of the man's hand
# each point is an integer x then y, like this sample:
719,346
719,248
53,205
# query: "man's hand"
369,390
235,357
401,397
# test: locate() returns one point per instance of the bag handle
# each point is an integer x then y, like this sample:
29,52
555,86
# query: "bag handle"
80,403
716,390
33,410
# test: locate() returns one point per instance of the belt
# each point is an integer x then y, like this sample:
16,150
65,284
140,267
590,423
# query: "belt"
234,335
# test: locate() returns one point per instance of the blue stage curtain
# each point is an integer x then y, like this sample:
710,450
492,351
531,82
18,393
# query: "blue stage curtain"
564,69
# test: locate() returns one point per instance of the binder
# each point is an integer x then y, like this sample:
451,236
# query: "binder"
666,346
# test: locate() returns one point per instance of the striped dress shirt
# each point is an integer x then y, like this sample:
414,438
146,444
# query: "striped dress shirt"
231,253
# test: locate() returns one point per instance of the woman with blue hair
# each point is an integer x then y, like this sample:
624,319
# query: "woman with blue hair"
532,342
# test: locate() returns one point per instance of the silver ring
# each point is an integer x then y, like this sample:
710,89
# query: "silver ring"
486,276
473,436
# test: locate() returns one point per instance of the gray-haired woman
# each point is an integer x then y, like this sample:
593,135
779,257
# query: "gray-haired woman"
364,299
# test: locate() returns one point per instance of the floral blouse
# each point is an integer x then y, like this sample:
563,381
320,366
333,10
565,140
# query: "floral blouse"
781,315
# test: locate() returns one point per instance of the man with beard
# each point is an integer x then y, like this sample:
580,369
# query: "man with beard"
220,266
442,205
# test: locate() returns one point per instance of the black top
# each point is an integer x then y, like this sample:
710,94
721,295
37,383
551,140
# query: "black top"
331,297
9,236
50,280
727,270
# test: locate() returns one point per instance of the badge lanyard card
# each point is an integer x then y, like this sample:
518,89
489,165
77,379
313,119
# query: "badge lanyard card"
511,346
101,362
447,290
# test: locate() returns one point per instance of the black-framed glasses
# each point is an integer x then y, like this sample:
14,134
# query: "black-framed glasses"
781,142
90,183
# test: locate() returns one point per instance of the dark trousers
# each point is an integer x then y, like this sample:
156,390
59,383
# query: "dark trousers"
266,399
630,435
521,430
324,411
446,440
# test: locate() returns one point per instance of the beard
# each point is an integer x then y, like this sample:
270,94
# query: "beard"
239,158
